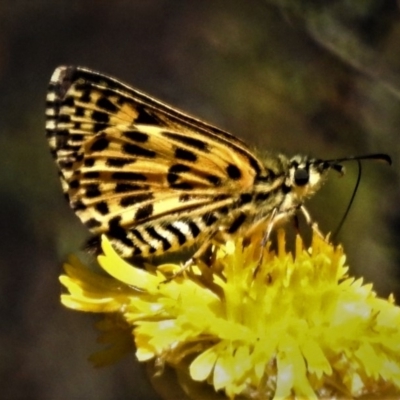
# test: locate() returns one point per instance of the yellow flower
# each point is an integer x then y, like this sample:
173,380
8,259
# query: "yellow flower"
292,327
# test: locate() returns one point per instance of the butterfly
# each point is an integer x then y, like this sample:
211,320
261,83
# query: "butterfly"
156,180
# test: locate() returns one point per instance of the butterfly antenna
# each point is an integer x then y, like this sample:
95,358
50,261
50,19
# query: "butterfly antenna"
335,165
339,227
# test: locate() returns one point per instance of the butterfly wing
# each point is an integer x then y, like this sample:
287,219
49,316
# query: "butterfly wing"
151,177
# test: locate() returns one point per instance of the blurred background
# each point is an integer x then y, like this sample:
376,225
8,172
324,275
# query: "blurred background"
292,76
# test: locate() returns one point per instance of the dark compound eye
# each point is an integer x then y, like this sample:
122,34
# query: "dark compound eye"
301,177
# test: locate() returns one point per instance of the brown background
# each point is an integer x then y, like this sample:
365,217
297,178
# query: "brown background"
291,76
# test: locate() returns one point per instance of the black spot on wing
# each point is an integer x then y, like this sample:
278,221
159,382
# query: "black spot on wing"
76,137
245,198
213,179
137,151
92,190
237,223
89,162
79,111
100,117
86,95
155,235
178,168
100,144
173,172
105,104
137,248
116,231
74,149
136,136
64,118
69,101
91,175
128,176
121,100
144,212
194,229
100,120
187,140
145,117
233,172
209,218
78,206
119,162
172,178
137,251
183,154
92,223
262,196
181,186
184,197
102,208
223,210
128,187
138,236
177,233
221,197
74,184
65,164
135,199
107,92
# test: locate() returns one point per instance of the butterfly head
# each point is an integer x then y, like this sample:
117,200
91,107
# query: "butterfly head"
306,175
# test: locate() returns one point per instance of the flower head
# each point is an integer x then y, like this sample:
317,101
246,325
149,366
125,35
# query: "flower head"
292,326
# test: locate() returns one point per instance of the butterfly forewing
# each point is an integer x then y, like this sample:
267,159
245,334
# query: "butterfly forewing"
153,178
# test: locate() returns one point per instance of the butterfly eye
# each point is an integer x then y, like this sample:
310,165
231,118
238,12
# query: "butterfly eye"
301,177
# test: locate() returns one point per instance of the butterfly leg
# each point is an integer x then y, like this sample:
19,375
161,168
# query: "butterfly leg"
198,253
268,231
264,241
311,223
296,224
273,218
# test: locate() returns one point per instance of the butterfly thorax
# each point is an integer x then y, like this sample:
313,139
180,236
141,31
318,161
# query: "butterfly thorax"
286,184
